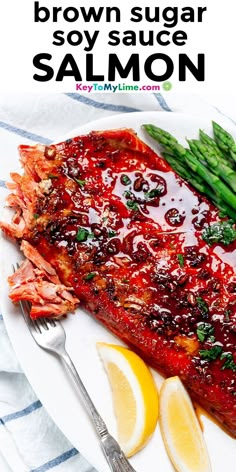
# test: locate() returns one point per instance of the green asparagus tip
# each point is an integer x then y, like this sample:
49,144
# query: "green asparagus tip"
217,127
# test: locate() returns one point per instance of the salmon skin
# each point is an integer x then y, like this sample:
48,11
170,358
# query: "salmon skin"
104,220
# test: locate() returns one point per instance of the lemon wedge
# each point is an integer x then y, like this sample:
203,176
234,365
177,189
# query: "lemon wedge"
134,394
180,429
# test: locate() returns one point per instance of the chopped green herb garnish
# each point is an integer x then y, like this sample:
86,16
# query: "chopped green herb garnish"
153,193
36,216
132,205
211,354
227,313
90,276
222,214
53,176
204,330
111,233
221,232
105,218
202,305
125,180
229,361
80,182
125,281
211,339
216,303
82,235
180,258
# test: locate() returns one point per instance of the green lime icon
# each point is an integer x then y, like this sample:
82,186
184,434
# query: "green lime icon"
167,86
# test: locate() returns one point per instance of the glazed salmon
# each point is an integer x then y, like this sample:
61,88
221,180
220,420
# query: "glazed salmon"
104,220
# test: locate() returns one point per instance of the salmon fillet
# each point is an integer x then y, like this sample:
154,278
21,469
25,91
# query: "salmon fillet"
104,220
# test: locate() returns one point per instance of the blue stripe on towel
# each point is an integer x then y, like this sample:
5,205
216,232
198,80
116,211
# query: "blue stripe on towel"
25,134
1,317
159,97
3,184
58,460
101,105
18,414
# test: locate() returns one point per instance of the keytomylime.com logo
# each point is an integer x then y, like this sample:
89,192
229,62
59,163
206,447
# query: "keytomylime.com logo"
108,87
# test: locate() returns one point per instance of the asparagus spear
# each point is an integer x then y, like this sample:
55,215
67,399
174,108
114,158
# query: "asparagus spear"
215,163
225,210
222,190
224,140
165,139
205,139
213,180
199,184
164,133
186,173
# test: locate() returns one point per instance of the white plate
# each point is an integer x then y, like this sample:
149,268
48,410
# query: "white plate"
48,377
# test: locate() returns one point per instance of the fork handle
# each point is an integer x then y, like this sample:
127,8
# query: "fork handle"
100,425
111,449
115,456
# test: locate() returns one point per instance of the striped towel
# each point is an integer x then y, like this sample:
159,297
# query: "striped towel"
29,440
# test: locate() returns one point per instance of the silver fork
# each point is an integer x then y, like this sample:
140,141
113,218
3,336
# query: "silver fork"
50,335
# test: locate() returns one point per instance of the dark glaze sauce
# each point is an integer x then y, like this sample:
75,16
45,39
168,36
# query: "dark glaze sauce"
135,226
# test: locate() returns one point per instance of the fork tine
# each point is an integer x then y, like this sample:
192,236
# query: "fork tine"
25,309
37,325
52,322
43,322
